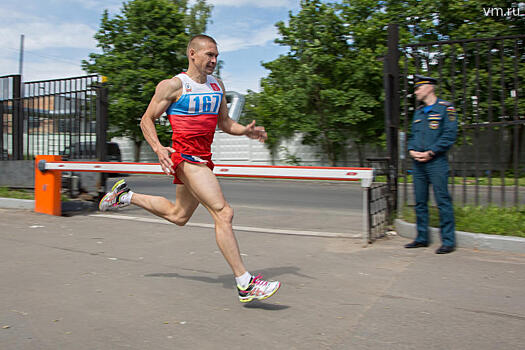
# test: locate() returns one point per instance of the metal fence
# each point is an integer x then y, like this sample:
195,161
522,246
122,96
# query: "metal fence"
381,198
51,117
483,78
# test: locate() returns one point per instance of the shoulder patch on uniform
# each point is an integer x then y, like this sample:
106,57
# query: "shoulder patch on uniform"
451,112
445,103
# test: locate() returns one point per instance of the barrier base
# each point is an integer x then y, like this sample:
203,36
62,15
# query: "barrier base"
48,184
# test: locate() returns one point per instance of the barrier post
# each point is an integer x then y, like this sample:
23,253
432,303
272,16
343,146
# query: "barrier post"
48,184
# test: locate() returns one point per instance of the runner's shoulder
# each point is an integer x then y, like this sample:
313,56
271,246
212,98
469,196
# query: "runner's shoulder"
170,88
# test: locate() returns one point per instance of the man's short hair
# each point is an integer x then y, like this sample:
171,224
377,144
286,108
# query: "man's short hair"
199,37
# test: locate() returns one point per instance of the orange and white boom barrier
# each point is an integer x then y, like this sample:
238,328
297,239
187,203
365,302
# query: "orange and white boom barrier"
49,168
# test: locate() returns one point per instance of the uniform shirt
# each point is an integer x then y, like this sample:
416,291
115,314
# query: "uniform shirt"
193,117
434,130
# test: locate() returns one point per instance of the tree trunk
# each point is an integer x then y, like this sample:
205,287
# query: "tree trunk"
136,150
360,154
333,157
326,143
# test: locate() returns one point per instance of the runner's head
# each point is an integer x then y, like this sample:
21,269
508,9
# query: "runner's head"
202,53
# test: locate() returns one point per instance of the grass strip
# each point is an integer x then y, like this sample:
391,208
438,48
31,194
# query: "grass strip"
493,220
7,192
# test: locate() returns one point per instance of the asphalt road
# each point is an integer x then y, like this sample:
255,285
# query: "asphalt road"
89,282
339,196
276,204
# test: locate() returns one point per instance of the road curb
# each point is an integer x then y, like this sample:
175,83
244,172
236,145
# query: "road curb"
13,203
467,239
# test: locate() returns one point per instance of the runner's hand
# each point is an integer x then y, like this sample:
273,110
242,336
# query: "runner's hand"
256,132
164,154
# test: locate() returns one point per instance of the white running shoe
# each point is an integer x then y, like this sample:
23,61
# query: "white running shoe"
112,199
258,289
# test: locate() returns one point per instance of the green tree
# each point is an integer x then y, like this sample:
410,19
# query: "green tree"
142,45
321,88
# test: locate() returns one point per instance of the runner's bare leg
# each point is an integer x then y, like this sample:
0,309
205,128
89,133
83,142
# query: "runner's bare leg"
203,184
179,212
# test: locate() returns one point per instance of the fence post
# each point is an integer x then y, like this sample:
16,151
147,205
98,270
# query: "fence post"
18,119
367,217
101,127
391,85
2,133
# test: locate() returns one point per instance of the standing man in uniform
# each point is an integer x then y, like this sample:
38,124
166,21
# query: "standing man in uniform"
434,130
195,104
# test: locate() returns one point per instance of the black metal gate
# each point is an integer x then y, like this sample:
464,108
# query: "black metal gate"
62,116
381,198
483,78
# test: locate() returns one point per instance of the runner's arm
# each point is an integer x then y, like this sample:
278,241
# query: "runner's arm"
166,92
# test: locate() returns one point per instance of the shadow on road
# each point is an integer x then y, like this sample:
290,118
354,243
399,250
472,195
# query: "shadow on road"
227,280
264,305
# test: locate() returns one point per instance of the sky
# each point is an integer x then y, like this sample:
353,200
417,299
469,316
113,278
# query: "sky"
58,35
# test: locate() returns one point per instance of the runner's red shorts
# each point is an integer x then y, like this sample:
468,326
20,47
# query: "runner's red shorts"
178,158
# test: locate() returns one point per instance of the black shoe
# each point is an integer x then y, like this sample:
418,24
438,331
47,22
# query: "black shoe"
445,249
416,245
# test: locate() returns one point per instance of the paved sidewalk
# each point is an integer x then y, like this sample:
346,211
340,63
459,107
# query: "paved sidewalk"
86,282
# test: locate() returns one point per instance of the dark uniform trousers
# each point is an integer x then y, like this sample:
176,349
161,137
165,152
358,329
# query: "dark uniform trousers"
434,130
434,172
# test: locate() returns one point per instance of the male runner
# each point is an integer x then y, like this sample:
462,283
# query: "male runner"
195,104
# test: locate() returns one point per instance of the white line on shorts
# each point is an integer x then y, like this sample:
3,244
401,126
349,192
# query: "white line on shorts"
236,228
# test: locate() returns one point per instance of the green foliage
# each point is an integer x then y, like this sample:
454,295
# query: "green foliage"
197,18
320,88
141,46
490,220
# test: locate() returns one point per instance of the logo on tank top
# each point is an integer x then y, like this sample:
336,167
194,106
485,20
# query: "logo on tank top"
215,87
187,86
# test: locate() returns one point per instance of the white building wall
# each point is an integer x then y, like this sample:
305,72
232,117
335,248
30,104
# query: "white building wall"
126,149
230,149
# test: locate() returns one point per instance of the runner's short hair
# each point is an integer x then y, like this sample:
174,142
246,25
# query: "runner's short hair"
199,37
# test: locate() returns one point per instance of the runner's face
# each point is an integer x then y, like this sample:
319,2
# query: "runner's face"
205,57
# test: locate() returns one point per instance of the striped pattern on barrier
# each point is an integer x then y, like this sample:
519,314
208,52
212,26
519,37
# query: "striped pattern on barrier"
365,175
